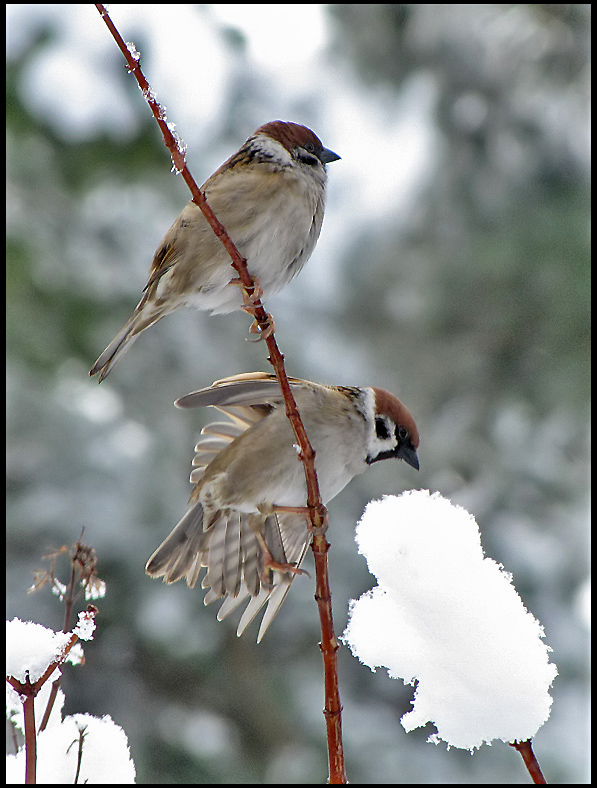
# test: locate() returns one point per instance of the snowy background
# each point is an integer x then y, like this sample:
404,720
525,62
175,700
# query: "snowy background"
452,270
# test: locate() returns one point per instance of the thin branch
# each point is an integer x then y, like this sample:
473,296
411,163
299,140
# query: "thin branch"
30,737
530,761
82,734
82,559
329,647
50,704
317,510
69,600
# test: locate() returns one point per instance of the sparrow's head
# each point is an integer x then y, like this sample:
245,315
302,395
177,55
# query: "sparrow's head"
395,433
282,145
299,141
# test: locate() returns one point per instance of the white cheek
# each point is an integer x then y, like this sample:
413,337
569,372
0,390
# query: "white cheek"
275,149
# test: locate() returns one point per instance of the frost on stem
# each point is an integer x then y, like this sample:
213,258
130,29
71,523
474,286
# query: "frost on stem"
149,95
180,149
133,51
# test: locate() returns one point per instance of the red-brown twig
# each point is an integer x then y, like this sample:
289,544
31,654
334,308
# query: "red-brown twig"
530,761
30,737
317,511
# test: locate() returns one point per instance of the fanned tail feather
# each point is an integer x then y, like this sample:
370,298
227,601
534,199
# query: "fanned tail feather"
287,539
180,553
232,554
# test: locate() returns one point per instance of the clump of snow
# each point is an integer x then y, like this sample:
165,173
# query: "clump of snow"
450,619
105,755
31,648
85,626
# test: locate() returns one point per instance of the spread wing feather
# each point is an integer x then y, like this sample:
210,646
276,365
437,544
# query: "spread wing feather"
247,389
228,545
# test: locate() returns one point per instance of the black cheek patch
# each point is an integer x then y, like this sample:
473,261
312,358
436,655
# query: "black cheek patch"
381,429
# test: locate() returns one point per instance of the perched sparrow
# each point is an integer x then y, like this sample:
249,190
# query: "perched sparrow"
270,198
242,523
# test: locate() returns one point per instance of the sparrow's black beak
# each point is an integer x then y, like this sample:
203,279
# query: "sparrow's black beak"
409,455
326,156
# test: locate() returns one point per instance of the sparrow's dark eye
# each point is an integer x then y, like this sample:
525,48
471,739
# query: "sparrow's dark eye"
307,154
403,433
381,429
